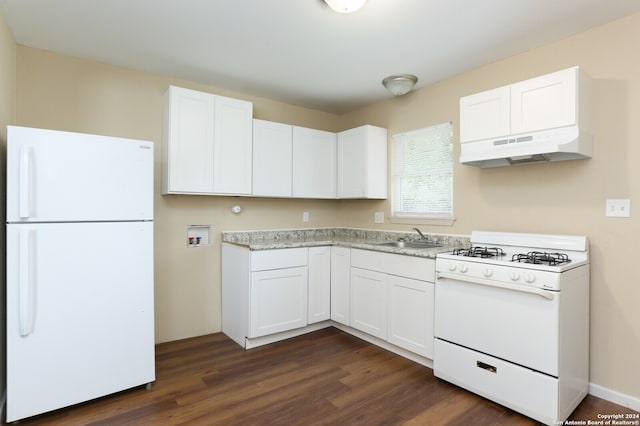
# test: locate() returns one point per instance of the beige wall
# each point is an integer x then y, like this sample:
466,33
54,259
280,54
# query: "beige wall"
560,197
60,92
65,93
7,116
7,79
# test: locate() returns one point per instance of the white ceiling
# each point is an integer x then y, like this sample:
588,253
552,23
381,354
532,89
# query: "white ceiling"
299,51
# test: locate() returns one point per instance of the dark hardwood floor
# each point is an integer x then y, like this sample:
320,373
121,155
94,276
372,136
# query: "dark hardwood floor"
323,378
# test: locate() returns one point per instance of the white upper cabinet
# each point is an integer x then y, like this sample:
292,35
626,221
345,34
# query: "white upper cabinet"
213,146
272,161
544,102
541,103
362,163
314,163
207,144
232,146
187,142
485,115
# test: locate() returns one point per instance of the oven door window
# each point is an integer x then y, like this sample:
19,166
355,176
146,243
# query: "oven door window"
516,326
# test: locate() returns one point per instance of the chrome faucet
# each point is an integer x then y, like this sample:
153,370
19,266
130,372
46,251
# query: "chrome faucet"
422,237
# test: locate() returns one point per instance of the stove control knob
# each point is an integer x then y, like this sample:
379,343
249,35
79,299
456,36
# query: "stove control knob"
487,272
463,268
452,266
530,278
515,276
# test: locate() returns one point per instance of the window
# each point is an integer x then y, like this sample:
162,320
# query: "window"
423,173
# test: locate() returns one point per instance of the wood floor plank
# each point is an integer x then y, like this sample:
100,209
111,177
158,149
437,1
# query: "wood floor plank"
323,378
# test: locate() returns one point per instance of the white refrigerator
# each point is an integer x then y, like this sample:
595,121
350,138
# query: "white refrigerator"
79,268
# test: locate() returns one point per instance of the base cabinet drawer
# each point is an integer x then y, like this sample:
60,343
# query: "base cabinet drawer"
263,260
526,391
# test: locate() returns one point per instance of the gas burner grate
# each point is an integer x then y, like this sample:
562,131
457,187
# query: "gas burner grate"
541,258
484,252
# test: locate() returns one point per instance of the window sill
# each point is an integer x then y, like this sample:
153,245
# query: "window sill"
416,220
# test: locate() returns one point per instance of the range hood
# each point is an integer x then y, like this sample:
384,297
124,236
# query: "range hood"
566,143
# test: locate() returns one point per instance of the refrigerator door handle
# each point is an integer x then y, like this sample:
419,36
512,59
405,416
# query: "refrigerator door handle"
26,282
24,190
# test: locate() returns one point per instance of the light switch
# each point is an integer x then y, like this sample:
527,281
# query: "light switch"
378,217
305,216
618,208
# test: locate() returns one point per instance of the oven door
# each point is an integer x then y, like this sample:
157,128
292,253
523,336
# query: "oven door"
519,324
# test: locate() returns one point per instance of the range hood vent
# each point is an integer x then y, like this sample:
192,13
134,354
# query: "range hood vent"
567,143
543,119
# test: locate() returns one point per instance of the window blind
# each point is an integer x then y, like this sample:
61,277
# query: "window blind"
423,172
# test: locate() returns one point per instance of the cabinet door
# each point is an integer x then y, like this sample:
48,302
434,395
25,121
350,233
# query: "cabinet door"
352,163
187,154
319,284
362,163
314,163
485,115
340,284
278,301
411,315
544,102
369,302
232,149
272,159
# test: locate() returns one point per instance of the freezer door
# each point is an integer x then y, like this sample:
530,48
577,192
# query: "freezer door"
79,313
55,176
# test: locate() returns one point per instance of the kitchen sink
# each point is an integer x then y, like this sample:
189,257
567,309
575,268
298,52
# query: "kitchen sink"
410,244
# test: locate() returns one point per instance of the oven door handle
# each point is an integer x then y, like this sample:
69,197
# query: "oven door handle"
549,295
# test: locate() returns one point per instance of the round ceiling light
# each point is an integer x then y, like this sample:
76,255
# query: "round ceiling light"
400,84
345,6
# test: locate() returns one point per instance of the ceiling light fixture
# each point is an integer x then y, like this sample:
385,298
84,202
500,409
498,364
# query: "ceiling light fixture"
400,84
345,6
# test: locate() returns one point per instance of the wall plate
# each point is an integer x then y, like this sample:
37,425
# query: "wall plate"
378,217
618,208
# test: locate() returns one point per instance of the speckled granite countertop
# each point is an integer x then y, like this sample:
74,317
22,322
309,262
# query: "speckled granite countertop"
365,239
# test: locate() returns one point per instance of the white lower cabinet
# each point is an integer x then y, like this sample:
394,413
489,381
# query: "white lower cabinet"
263,292
392,298
411,315
341,285
292,291
278,300
319,284
369,302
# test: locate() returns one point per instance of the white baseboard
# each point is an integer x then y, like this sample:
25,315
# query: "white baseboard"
614,396
272,338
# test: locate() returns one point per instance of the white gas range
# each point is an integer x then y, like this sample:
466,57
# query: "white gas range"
512,321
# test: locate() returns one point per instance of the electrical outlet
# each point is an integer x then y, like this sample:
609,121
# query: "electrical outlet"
305,216
618,208
378,217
